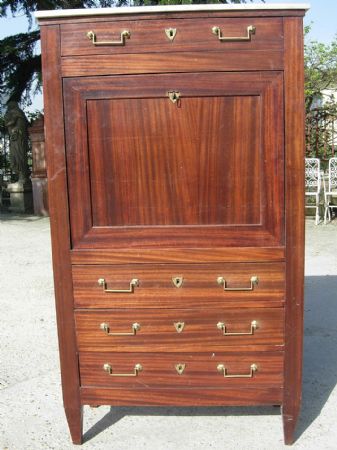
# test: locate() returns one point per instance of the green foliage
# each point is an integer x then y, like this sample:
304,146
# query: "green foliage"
20,65
321,111
320,69
29,6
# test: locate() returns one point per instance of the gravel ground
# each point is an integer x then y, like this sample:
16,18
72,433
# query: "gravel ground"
31,412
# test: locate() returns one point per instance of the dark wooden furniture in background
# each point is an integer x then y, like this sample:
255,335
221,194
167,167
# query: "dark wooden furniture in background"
39,169
175,150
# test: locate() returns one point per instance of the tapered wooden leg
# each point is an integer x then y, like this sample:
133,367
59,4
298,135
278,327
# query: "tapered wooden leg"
289,425
75,423
294,232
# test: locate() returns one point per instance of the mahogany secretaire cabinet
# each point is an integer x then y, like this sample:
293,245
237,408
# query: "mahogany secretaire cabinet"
175,150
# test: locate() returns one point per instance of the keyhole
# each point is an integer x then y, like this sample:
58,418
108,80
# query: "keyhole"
179,326
170,33
177,281
174,96
180,368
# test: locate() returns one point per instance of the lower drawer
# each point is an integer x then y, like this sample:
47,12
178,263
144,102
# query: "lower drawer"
179,330
209,370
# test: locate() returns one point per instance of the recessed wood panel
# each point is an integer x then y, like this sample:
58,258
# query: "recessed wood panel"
196,162
146,172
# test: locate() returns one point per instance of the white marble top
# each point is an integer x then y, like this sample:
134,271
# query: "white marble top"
168,8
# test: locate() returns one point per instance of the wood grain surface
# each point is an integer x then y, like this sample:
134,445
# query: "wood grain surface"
177,255
191,35
200,287
295,152
168,188
240,396
60,232
200,333
175,176
175,62
158,370
144,188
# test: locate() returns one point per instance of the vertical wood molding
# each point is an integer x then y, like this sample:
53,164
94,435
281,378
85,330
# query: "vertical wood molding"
294,160
59,222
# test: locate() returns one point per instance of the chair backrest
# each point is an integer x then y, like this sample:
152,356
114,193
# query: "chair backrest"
312,175
332,174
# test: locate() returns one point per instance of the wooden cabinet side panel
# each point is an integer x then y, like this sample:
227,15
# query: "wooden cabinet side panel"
294,189
59,222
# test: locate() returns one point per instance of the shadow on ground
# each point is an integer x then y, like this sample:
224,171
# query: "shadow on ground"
320,347
117,413
319,371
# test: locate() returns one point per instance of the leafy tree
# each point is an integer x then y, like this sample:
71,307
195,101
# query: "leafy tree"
320,69
20,63
321,110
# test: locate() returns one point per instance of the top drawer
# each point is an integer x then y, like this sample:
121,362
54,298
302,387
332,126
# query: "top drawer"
173,35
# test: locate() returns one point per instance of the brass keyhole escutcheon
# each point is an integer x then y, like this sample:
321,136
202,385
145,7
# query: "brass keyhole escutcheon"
180,368
170,33
179,326
174,96
177,281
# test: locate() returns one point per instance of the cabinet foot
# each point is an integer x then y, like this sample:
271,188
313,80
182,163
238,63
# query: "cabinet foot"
289,425
75,420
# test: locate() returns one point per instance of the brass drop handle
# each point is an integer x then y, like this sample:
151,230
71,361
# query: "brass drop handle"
134,327
134,282
250,30
125,34
108,368
253,282
222,326
222,369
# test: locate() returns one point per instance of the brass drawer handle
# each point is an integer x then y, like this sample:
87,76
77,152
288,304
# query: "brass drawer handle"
253,282
108,368
222,369
250,30
134,282
222,326
125,34
105,327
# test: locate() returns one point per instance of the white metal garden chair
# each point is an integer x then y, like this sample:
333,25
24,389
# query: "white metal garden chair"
332,189
313,183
